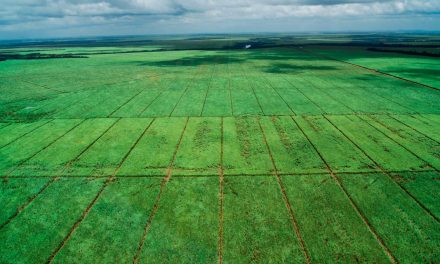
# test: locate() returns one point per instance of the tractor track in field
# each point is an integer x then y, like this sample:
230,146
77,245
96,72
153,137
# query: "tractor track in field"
371,70
353,204
56,178
97,196
400,186
221,199
165,180
25,134
416,130
286,200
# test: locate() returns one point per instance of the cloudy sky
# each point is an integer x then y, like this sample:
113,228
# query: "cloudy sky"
71,18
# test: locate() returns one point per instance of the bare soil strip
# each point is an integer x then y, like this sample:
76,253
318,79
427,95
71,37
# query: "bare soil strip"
386,173
156,203
286,200
109,180
353,204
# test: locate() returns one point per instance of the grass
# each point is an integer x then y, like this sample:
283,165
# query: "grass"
199,153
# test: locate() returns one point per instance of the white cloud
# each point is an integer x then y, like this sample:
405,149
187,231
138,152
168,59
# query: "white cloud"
44,15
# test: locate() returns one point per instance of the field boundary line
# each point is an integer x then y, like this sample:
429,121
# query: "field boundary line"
301,92
286,199
7,124
207,90
44,148
79,91
126,102
353,204
229,86
188,85
107,182
78,102
40,85
27,203
268,83
251,85
164,182
149,104
424,119
97,86
234,116
182,176
220,198
416,130
368,89
331,97
373,70
25,134
398,143
56,178
136,95
383,171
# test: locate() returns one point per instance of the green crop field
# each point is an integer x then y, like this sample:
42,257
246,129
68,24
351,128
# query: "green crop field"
300,149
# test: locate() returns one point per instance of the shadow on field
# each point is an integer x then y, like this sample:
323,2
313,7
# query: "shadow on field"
292,68
417,72
231,58
194,61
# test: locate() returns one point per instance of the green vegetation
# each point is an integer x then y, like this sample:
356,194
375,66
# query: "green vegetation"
192,149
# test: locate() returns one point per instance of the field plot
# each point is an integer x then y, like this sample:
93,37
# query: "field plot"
199,151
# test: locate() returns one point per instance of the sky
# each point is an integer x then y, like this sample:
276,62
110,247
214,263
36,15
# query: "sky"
24,19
